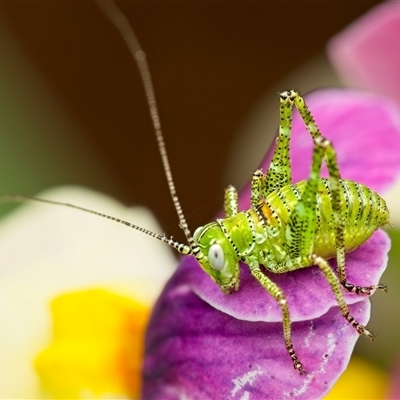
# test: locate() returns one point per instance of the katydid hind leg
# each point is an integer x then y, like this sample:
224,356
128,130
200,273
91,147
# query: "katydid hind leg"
279,173
337,208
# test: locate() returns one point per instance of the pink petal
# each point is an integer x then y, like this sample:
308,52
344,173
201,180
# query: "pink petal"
366,54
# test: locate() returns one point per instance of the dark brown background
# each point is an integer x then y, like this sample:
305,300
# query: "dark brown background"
211,63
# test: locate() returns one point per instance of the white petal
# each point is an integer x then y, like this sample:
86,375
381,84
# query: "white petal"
46,250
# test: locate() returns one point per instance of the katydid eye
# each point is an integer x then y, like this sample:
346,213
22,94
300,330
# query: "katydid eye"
216,257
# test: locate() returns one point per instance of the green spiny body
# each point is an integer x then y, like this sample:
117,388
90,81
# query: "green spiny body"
363,211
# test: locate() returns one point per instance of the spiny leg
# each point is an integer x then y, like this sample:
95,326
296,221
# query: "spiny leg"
334,179
336,287
367,290
302,223
323,149
302,229
231,204
257,188
273,289
279,173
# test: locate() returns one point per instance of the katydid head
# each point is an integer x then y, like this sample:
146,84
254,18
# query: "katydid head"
218,258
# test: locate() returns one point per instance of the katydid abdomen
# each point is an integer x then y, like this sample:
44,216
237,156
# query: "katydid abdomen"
363,212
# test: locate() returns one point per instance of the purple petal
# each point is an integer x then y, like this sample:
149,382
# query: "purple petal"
366,54
364,129
194,351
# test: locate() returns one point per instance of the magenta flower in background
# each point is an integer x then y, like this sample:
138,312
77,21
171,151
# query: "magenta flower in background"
202,343
366,54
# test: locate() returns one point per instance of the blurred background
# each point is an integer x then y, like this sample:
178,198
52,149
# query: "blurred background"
73,110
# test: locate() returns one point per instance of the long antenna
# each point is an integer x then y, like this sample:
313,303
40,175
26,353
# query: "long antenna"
115,15
182,248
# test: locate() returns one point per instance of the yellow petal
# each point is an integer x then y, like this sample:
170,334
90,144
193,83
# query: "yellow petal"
97,348
361,380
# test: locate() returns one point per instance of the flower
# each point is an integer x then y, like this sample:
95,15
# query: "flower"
365,54
202,343
50,252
